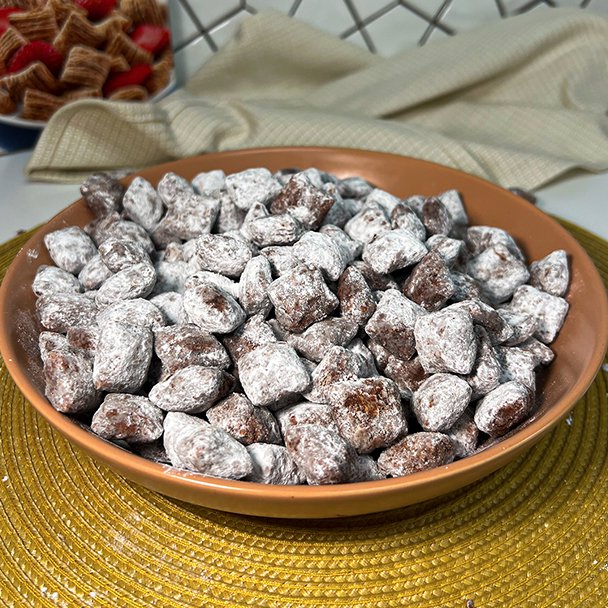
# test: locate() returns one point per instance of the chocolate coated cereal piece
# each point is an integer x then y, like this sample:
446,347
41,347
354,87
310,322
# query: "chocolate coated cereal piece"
484,315
171,186
229,216
376,281
464,435
253,333
486,373
132,312
392,325
180,346
301,297
351,249
452,201
407,375
222,254
551,274
94,273
192,389
304,201
193,444
517,364
247,424
340,212
49,341
256,211
435,217
212,309
272,464
453,251
118,254
83,339
102,194
128,417
380,354
171,304
253,286
128,231
387,201
210,183
440,401
190,216
70,248
522,325
306,413
542,354
122,357
404,217
321,454
480,238
445,341
50,279
171,276
142,204
271,373
60,311
430,283
393,250
281,259
323,252
548,311
503,408
252,186
68,377
213,278
498,272
417,452
281,229
465,287
357,302
314,342
370,222
135,281
368,412
365,468
354,187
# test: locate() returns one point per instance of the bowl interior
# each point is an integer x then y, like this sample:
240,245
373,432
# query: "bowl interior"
579,347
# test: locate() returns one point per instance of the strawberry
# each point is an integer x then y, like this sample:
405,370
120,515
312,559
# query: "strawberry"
4,13
36,51
152,38
96,9
136,75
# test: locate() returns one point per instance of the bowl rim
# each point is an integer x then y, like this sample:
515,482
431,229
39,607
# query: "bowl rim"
159,473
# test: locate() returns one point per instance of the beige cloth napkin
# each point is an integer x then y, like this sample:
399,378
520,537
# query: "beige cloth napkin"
518,102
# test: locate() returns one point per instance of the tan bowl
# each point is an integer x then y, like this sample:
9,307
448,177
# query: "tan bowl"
580,346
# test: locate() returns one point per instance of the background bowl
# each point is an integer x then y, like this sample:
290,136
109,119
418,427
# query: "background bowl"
579,347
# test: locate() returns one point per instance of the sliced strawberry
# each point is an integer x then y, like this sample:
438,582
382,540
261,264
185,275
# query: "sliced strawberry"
152,38
36,51
136,75
96,9
4,13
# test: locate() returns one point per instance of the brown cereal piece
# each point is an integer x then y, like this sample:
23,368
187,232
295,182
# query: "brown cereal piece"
122,44
68,376
446,342
171,305
38,105
173,186
118,64
465,287
541,353
182,346
252,186
281,229
281,259
36,76
351,249
365,468
213,278
7,105
418,452
38,23
314,342
50,279
453,251
440,400
368,412
271,373
102,194
210,183
522,325
517,364
83,339
430,283
320,453
142,204
337,365
86,67
70,248
387,201
452,201
300,298
136,281
480,238
376,281
247,424
123,229
77,30
306,413
193,444
490,319
134,312
498,272
340,212
272,464
393,250
503,408
548,311
380,354
253,286
323,252
354,187
128,417
464,434
122,357
487,370
94,273
435,217
392,325
300,198
132,93
118,254
357,302
48,341
229,216
170,276
369,223
10,41
192,389
212,309
161,73
407,375
143,11
551,274
190,216
115,23
404,217
222,254
60,311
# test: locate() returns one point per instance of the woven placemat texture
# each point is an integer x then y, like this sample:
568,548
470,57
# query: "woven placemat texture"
73,533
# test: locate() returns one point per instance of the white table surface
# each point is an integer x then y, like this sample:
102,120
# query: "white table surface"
582,200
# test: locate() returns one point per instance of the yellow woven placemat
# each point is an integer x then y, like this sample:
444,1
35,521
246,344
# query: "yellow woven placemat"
72,533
